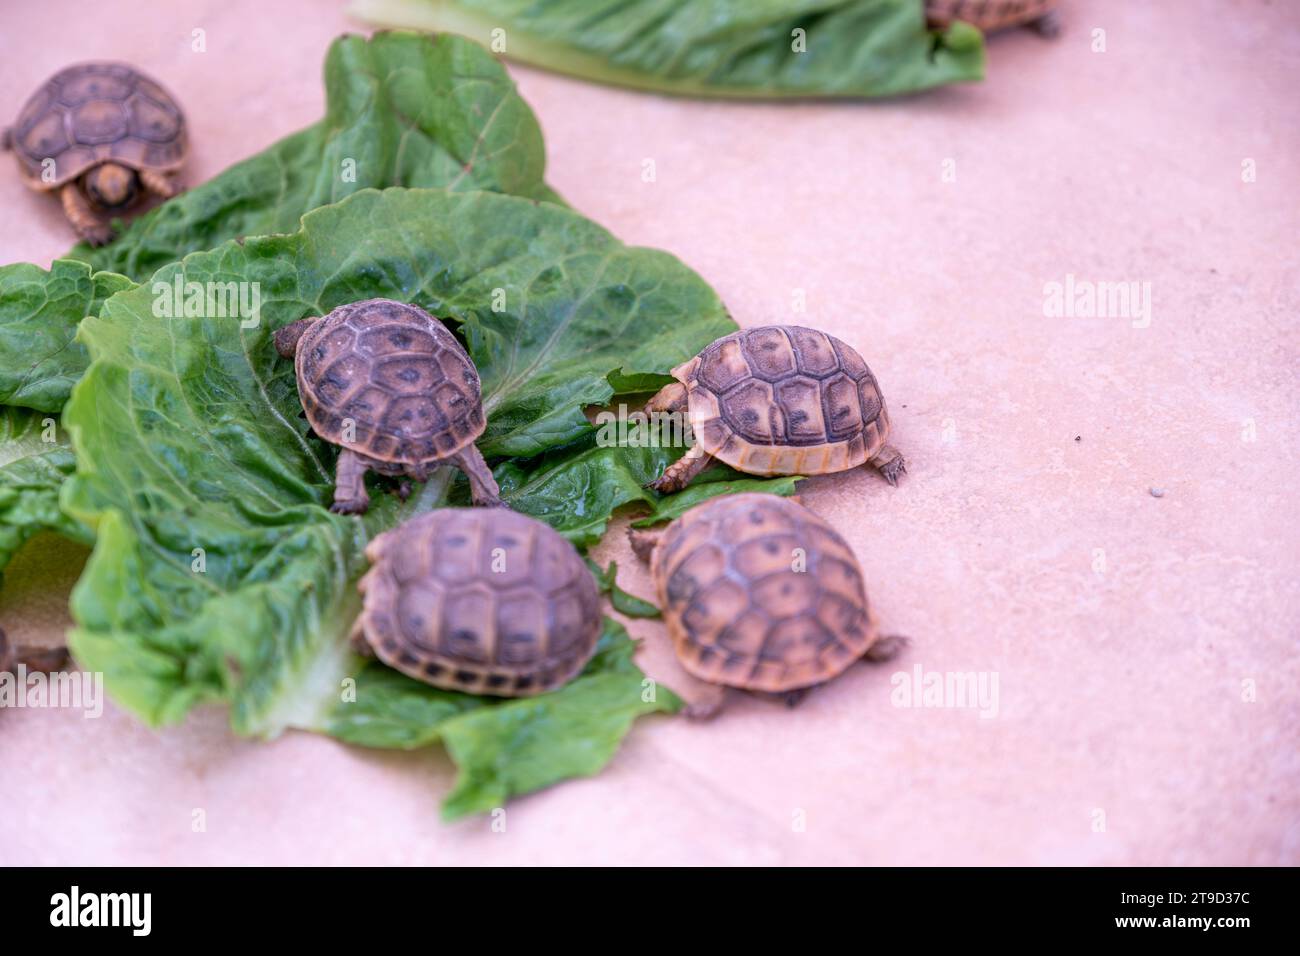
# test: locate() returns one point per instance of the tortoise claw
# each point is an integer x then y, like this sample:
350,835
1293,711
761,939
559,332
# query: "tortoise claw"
1048,25
97,236
791,698
660,486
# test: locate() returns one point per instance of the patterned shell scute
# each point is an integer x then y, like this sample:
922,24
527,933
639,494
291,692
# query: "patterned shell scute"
482,600
93,113
397,375
988,15
760,593
786,388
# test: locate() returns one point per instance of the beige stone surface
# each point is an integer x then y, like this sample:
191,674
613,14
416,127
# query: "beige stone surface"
1123,628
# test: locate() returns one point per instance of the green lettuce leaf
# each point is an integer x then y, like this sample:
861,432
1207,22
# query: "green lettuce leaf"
219,573
627,604
40,360
507,747
402,109
35,458
724,48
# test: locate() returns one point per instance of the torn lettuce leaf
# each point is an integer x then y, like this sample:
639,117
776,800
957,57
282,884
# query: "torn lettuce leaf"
712,48
219,574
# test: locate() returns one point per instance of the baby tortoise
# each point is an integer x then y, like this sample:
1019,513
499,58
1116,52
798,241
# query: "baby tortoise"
778,400
480,601
761,594
44,659
99,133
991,15
389,384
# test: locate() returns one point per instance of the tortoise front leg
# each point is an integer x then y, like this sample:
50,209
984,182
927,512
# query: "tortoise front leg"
483,488
890,464
160,183
679,474
91,226
350,496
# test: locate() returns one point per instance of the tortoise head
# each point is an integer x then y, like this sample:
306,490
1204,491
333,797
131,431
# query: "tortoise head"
286,339
112,185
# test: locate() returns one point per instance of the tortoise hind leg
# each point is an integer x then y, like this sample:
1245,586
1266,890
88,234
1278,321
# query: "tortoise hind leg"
708,703
350,497
679,474
889,462
90,225
160,183
483,488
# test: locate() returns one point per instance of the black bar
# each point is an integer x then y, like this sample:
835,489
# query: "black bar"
210,906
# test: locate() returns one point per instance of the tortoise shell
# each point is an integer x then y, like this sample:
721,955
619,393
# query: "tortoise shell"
760,593
784,400
987,15
481,600
94,113
395,372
